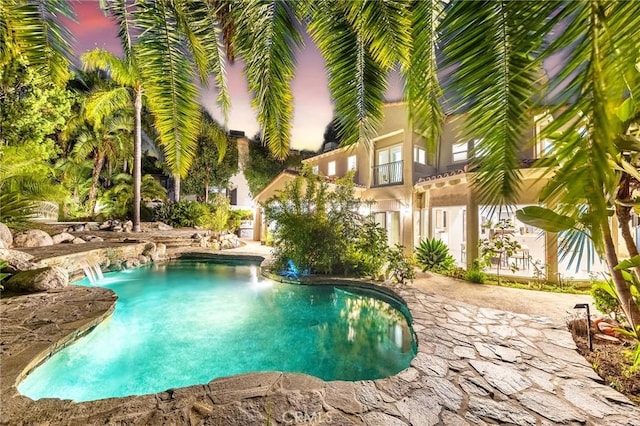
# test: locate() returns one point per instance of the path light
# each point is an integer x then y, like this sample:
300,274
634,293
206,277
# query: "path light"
586,306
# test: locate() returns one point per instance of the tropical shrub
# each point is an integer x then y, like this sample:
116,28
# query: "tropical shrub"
3,264
322,231
237,216
218,218
117,201
456,272
368,253
182,213
400,265
604,298
475,276
433,255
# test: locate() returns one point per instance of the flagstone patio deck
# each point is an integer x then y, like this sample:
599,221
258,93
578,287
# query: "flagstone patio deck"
474,366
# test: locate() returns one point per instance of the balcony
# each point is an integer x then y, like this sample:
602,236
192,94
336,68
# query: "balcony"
388,174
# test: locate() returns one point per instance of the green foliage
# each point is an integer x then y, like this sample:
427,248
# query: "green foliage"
321,230
3,265
604,301
400,267
261,167
32,111
634,289
475,276
499,248
15,209
545,219
215,216
182,213
118,200
456,272
433,255
215,162
368,253
218,217
237,216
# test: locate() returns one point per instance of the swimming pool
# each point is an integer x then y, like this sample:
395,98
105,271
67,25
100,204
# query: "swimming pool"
187,322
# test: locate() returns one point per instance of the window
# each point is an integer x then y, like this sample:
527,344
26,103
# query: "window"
419,155
441,219
478,149
543,145
388,169
459,152
331,170
315,169
351,163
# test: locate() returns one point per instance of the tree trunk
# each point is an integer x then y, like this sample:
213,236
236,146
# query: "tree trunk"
98,163
623,214
206,185
623,290
176,188
137,160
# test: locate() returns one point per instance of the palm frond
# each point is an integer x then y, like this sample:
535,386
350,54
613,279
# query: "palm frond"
211,31
385,28
356,82
105,103
594,77
122,72
122,12
34,30
214,131
493,46
267,37
422,88
197,22
15,209
168,77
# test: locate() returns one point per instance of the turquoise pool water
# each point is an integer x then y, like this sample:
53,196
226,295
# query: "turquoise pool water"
188,322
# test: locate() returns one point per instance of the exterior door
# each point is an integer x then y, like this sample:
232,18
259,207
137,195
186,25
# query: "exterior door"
383,172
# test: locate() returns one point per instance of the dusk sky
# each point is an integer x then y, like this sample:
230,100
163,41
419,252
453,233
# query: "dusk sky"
312,106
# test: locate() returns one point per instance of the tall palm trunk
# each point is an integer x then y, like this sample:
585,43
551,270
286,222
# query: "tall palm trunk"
98,164
628,305
206,184
623,213
176,187
137,160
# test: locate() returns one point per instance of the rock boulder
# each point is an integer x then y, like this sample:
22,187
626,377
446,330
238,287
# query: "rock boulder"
42,279
18,261
32,238
63,237
5,235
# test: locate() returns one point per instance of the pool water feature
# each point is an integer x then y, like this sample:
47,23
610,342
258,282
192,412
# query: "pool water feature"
187,322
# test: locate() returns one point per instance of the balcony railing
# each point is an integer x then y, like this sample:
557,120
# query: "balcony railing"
387,174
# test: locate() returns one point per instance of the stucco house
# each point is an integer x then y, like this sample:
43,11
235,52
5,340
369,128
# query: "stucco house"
418,194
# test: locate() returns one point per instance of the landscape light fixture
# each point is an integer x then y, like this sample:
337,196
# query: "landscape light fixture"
586,306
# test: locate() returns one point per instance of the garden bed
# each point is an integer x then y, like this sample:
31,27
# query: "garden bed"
609,360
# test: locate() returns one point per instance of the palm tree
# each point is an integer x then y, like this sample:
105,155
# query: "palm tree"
155,66
105,142
103,103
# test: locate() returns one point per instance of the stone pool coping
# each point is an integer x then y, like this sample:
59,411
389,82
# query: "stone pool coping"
474,366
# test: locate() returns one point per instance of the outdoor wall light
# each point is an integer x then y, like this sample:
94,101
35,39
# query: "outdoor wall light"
586,306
